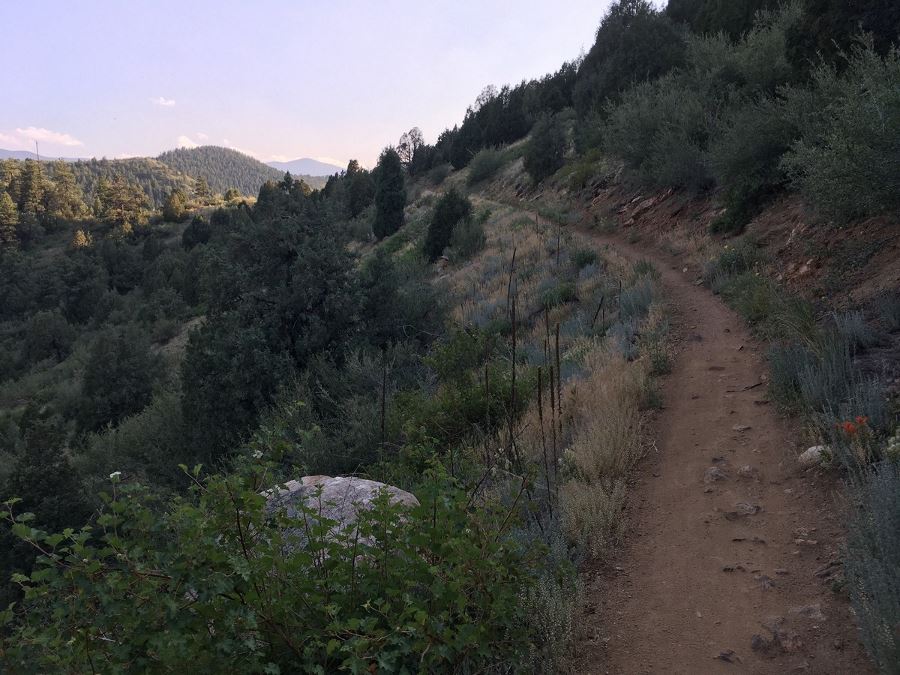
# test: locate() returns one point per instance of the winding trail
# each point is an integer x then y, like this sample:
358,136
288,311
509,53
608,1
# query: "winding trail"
728,538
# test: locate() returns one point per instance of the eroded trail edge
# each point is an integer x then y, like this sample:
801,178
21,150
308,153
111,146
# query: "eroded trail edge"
732,550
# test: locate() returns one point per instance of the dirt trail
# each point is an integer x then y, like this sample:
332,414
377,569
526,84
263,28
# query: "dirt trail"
703,570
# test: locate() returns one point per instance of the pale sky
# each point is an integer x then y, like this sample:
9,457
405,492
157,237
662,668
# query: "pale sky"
277,79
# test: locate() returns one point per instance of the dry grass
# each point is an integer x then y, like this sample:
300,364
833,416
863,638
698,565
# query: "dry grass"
605,414
592,440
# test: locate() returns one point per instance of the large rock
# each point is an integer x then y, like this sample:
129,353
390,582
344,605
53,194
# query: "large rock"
817,454
341,498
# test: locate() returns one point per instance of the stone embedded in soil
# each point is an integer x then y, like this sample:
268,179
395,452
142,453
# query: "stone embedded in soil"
741,510
728,656
748,472
713,474
765,582
741,427
813,612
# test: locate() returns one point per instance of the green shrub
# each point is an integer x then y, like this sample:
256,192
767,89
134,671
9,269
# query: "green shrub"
786,363
451,209
873,555
582,257
734,259
559,293
468,236
484,164
217,580
635,301
439,174
660,131
887,306
847,161
854,328
546,149
745,154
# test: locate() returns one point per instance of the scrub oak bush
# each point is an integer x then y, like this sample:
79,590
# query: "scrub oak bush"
215,579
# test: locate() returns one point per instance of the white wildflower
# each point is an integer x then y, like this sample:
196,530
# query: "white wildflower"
115,475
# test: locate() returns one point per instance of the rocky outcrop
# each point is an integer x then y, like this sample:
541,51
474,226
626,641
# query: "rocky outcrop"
339,498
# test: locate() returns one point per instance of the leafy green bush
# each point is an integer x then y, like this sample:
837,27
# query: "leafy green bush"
745,154
468,236
439,174
660,130
484,164
451,209
847,161
545,153
582,257
217,580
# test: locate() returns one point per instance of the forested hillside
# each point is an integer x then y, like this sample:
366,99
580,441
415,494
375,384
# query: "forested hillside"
224,168
156,179
169,356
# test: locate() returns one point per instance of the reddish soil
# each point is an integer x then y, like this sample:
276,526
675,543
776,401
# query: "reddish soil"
842,266
726,568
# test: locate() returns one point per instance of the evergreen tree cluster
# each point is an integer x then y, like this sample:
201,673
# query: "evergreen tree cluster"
221,168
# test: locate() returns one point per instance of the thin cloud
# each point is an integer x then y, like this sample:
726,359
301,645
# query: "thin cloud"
47,136
230,146
163,101
201,136
185,142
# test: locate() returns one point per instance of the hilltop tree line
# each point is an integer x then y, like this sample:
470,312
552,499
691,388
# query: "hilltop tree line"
637,43
221,168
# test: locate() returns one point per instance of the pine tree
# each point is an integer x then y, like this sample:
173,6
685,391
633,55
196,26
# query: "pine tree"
120,203
10,171
174,210
64,200
82,239
202,191
360,188
390,194
9,219
32,186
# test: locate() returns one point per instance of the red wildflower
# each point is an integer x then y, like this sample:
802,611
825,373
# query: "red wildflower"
861,420
849,428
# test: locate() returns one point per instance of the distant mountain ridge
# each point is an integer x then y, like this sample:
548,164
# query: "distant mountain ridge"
27,154
306,166
222,168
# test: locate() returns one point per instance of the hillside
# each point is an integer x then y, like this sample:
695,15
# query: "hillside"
604,380
156,179
222,168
